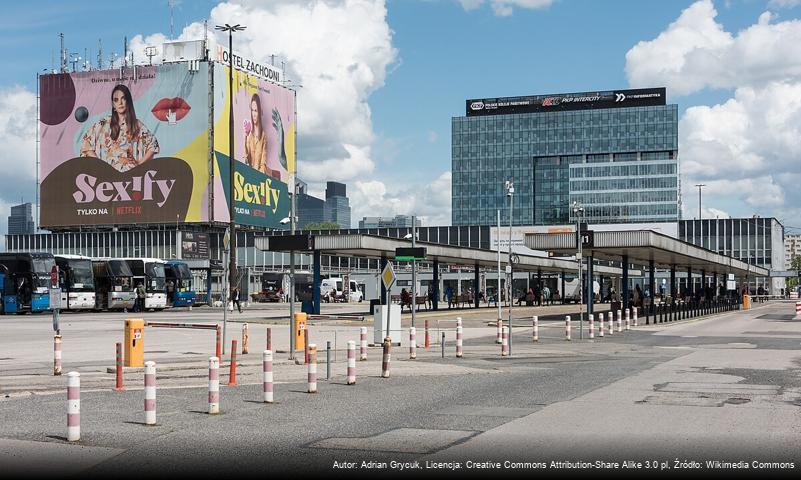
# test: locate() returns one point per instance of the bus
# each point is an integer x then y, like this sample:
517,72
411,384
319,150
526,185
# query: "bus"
113,284
178,273
24,281
150,272
77,282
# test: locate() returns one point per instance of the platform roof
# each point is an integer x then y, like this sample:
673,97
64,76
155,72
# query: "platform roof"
642,246
371,246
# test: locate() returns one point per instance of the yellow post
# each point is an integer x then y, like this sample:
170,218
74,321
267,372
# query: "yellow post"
299,332
746,302
134,342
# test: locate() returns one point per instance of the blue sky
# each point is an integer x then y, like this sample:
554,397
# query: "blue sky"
385,129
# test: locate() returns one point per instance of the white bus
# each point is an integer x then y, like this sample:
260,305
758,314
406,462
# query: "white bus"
77,282
150,273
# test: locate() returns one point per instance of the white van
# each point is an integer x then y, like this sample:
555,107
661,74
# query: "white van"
335,283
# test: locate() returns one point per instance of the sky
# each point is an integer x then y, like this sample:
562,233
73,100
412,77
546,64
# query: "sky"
381,80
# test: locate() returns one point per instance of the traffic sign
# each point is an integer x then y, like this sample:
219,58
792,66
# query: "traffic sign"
55,298
388,276
54,277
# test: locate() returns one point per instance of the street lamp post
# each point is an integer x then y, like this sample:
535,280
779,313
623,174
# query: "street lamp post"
699,185
232,273
577,211
413,236
510,190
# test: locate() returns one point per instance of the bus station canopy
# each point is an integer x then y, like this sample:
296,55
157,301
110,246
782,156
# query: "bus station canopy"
371,246
642,247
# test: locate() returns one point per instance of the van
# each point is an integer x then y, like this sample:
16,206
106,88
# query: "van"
335,284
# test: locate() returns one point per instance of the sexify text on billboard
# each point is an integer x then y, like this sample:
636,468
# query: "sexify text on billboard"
124,146
264,148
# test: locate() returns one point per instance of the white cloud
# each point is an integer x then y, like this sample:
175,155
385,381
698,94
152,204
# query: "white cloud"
432,202
696,52
784,3
504,8
18,162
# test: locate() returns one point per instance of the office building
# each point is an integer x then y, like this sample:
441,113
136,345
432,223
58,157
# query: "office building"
398,221
756,241
792,248
615,152
310,209
20,222
337,205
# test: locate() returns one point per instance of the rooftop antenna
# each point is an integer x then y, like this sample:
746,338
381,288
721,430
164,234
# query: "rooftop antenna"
99,54
171,4
125,48
63,54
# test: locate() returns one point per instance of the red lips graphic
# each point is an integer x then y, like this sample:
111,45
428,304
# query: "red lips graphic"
176,105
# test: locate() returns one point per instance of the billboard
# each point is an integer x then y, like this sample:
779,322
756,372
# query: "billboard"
124,146
264,148
642,97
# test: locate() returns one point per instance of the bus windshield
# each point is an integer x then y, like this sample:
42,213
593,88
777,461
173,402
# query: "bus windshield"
155,277
119,268
182,271
82,276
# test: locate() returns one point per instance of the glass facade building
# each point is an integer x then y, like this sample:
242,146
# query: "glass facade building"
620,162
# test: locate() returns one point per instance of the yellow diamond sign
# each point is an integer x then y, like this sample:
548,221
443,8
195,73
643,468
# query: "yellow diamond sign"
388,276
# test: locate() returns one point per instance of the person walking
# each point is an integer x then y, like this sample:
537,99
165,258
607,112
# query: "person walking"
139,303
235,299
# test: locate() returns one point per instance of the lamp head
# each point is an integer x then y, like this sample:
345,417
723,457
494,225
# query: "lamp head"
284,221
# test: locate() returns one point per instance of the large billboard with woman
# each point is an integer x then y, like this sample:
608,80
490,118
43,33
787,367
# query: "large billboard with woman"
264,148
125,146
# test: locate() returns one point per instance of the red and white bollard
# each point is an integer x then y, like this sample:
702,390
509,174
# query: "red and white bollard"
386,359
351,362
611,322
634,311
601,325
150,393
245,338
214,385
218,345
459,337
57,355
428,337
269,343
312,370
567,327
536,332
619,321
592,325
798,310
505,341
73,406
363,344
119,385
232,369
412,343
628,320
499,330
267,370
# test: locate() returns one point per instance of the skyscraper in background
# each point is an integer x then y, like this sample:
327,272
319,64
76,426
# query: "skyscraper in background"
337,205
20,222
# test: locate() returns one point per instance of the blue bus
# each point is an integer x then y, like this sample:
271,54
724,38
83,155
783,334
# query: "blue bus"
24,281
178,273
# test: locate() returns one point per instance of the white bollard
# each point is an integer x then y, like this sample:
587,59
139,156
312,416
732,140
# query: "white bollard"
459,338
628,320
73,406
387,357
412,343
567,327
312,372
536,332
619,321
57,355
601,325
150,393
351,362
363,344
611,322
214,385
634,309
592,326
267,370
505,341
499,330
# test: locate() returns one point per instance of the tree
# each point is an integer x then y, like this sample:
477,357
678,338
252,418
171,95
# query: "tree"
322,226
795,264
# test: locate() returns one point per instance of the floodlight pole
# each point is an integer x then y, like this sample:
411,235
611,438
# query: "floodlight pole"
414,272
510,190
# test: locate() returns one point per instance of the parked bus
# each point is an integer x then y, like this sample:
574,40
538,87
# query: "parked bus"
178,272
77,282
150,273
24,281
113,284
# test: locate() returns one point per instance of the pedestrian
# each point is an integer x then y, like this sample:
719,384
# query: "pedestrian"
546,294
405,299
430,297
448,295
170,291
235,299
637,296
139,303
